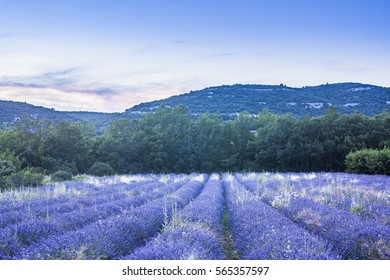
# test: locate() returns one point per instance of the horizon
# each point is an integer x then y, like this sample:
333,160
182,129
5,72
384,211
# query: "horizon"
210,87
109,56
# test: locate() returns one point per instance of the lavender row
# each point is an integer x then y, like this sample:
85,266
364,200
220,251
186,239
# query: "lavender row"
56,195
208,207
59,196
363,195
352,236
85,204
28,196
116,236
18,199
194,234
141,195
187,241
25,234
373,210
367,196
260,232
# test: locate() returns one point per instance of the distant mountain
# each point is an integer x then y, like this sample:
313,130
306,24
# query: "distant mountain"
228,101
313,100
11,111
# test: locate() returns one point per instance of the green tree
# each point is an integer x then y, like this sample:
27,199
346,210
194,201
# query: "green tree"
164,138
71,145
271,138
6,169
369,161
206,143
118,148
27,140
236,149
101,169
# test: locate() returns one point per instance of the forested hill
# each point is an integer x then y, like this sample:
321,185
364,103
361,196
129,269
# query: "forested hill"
11,111
230,100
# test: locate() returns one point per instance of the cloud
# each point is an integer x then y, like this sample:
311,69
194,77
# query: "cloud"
58,78
8,36
68,90
97,100
217,55
195,42
48,79
53,98
4,35
10,39
64,89
66,80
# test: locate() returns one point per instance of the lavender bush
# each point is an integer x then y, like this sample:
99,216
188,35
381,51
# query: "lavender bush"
260,232
193,233
196,216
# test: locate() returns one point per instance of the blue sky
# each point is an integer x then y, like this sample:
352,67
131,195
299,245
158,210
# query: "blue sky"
110,55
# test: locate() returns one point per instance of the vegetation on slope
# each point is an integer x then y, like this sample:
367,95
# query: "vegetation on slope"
173,141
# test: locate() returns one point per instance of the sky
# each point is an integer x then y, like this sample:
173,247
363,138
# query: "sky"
109,55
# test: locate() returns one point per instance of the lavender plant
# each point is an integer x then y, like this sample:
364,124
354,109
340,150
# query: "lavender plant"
260,232
352,236
193,233
27,232
115,236
270,216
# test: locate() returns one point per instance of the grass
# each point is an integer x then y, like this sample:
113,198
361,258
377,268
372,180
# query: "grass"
227,243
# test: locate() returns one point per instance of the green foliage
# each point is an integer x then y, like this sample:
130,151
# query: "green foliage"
100,169
173,140
156,143
7,156
25,178
27,141
369,161
60,176
72,143
6,169
117,146
237,137
51,165
205,148
283,143
49,146
163,138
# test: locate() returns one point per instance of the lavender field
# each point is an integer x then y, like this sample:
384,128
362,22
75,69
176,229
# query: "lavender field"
200,216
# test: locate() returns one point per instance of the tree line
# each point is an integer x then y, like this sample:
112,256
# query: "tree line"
171,140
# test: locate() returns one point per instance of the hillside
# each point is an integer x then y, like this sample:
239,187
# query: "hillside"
313,101
228,101
11,111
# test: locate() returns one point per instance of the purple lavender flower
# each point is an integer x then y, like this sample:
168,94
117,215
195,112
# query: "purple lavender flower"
194,233
260,232
117,235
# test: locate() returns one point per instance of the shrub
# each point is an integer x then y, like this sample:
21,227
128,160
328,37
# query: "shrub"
6,169
100,169
369,161
7,156
61,175
25,178
52,165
